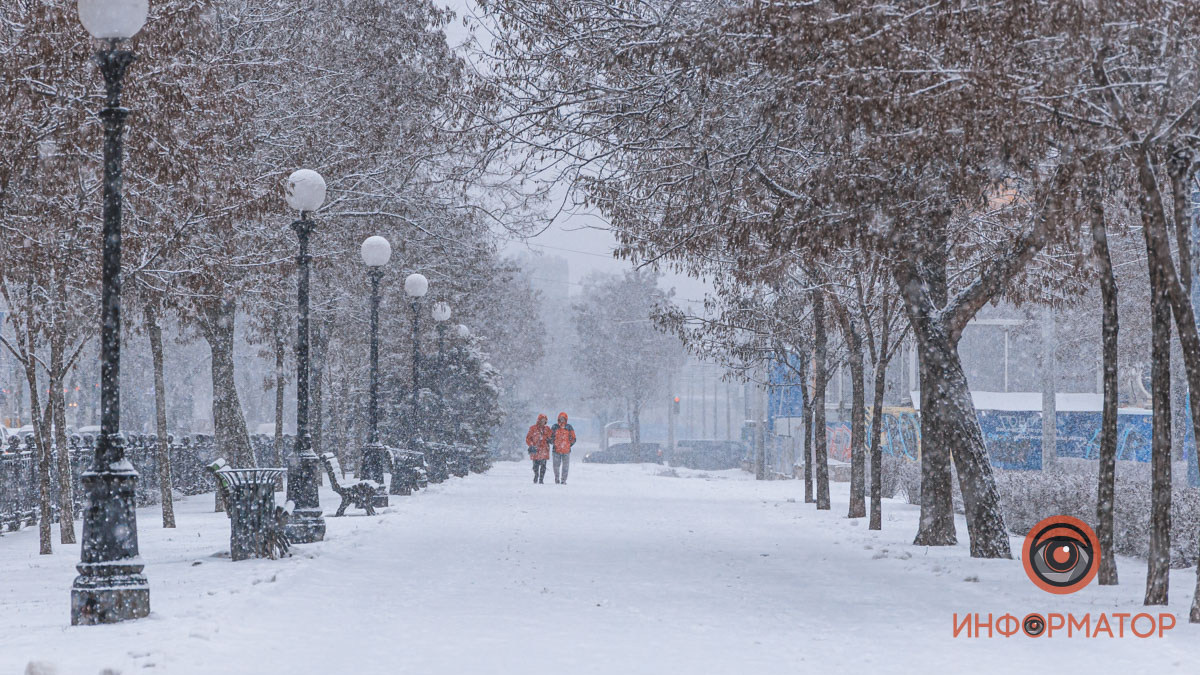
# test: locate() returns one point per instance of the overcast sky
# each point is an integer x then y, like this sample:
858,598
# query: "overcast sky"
581,238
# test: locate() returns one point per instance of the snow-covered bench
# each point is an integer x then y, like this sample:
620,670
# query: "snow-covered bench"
359,493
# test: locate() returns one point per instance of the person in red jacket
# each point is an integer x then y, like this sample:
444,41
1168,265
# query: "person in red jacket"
538,440
562,437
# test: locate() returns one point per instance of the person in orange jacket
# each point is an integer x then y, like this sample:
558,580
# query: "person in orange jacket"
538,440
562,437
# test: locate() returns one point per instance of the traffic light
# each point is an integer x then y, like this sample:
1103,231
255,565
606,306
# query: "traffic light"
675,406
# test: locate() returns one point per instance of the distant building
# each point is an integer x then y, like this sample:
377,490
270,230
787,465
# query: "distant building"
550,275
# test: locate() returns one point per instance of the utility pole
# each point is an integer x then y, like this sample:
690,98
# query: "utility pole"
760,459
672,413
717,432
729,411
691,409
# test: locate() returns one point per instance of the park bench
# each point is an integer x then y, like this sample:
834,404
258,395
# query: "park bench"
360,493
247,493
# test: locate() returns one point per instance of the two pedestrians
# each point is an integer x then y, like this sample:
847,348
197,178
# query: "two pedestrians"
543,441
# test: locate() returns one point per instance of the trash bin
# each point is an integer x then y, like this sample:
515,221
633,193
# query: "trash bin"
437,457
251,505
408,469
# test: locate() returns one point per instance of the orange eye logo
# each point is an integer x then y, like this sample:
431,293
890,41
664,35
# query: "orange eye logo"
1061,554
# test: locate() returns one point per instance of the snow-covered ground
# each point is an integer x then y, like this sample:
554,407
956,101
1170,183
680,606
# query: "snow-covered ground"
625,570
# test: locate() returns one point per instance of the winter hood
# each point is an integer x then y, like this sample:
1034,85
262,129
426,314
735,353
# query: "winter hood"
542,419
562,417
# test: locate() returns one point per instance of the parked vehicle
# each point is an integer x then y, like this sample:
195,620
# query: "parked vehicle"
614,433
624,453
709,455
27,431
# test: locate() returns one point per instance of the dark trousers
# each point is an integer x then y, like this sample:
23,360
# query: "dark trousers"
565,461
539,470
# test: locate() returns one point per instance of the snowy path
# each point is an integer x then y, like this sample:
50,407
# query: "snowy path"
623,571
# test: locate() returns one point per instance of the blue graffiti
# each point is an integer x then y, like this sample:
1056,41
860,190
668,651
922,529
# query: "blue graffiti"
1013,438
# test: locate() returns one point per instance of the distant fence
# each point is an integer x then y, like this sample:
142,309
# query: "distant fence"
189,455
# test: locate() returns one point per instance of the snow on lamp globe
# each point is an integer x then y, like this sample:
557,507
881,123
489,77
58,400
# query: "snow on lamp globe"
305,190
416,285
376,251
113,19
441,311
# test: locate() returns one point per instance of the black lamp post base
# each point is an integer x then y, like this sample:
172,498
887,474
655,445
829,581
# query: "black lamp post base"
374,459
306,526
110,586
109,593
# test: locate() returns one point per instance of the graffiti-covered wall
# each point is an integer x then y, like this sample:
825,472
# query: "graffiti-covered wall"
1013,438
1011,425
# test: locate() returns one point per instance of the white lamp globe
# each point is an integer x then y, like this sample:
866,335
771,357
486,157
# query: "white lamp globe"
113,19
463,331
376,251
305,190
441,311
416,285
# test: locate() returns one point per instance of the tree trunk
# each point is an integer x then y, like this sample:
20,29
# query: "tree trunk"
20,396
58,409
1106,490
160,418
1158,563
858,505
821,379
279,344
948,421
806,410
339,421
1049,392
877,438
1159,260
936,526
946,404
229,425
925,282
41,441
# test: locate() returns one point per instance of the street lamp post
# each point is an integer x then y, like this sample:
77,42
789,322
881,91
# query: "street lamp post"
305,192
441,313
415,287
376,251
110,586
